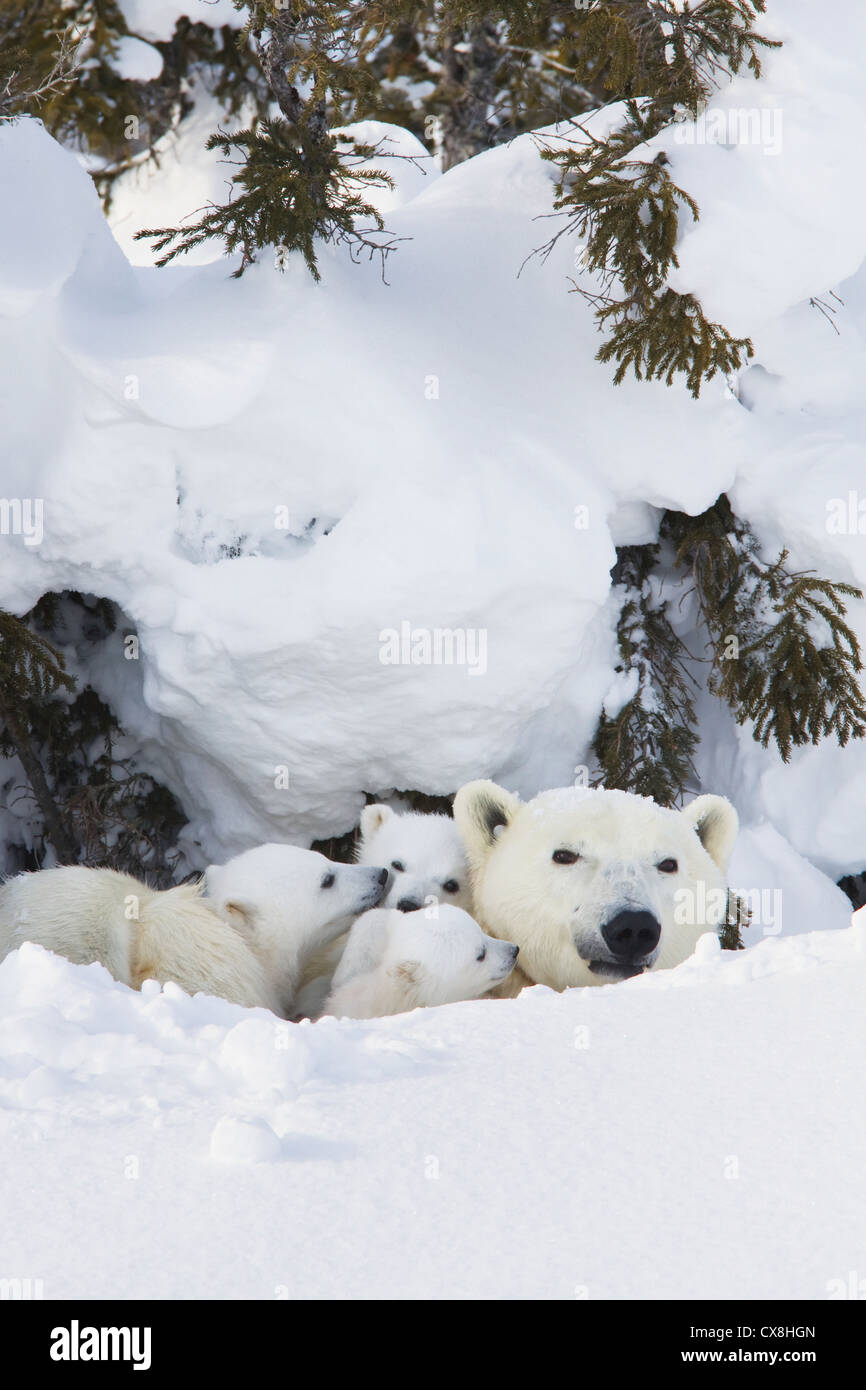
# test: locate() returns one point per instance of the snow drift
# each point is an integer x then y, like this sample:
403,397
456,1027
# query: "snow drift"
692,1134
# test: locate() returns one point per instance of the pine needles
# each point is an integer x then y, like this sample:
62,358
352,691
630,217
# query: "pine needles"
647,746
297,183
781,655
93,804
293,192
661,59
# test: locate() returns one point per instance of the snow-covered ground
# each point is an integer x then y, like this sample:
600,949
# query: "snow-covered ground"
694,1134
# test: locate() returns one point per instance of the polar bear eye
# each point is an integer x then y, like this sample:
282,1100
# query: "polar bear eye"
667,866
483,954
565,856
451,886
397,866
328,881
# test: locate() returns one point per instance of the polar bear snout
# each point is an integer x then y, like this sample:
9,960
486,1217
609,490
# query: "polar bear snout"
377,889
632,937
510,959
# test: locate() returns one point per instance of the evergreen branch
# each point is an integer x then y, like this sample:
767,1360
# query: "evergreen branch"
661,58
93,806
648,746
29,665
294,192
783,655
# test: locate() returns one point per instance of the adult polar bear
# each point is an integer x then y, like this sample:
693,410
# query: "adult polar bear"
594,886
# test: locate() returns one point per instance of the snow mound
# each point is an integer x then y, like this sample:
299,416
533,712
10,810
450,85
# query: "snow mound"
496,1149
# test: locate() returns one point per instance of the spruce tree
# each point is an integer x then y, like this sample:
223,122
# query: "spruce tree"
58,61
779,651
663,61
783,656
465,77
479,73
297,182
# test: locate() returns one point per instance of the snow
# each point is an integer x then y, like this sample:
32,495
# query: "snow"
497,1149
267,476
156,19
222,432
137,61
804,228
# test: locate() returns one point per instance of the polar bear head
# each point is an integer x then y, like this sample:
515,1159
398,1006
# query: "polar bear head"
289,902
396,961
424,855
593,885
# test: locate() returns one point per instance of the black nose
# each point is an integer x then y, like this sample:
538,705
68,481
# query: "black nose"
407,905
632,935
382,877
515,951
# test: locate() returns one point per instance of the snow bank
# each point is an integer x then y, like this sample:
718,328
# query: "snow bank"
184,1148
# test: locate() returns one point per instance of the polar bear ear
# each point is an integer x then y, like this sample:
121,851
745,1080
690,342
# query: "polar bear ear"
482,810
239,914
716,823
373,818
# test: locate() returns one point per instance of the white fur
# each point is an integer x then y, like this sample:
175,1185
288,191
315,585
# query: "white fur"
432,856
275,895
136,932
556,912
431,853
247,941
395,961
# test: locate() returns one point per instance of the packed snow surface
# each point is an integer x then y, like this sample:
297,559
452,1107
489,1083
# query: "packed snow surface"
696,1133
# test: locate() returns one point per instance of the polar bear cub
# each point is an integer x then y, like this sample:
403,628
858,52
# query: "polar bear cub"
397,961
247,941
138,933
289,903
426,865
424,855
595,885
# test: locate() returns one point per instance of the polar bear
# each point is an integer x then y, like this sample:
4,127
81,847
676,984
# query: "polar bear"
595,885
423,853
397,961
427,865
247,941
291,903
